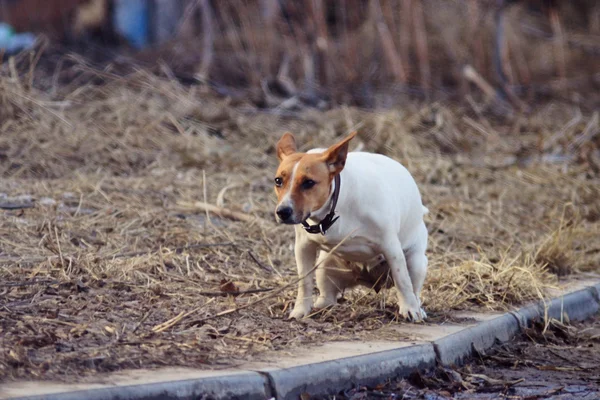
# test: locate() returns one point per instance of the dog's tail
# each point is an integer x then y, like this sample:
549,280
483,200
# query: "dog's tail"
425,210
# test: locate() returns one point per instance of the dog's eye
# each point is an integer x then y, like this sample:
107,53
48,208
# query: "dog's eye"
278,182
308,183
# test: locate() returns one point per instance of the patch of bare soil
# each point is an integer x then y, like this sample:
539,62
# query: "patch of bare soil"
554,361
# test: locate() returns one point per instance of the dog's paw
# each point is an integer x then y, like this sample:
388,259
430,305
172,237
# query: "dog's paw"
324,302
300,311
412,314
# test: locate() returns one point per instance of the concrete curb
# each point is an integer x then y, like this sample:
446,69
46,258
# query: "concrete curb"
454,349
330,377
575,306
243,385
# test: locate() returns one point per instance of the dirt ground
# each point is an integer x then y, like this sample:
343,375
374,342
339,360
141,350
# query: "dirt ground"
107,262
548,362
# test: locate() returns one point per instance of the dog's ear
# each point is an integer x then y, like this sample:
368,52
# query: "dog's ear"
286,146
335,156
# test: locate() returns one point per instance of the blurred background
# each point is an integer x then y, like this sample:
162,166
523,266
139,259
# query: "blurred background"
321,53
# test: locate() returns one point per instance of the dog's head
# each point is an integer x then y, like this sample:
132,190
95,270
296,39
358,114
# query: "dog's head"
303,180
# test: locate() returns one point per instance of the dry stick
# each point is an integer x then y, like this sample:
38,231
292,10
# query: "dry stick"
247,23
277,291
406,23
474,16
16,206
220,211
207,221
240,47
499,38
270,12
30,283
62,260
499,51
473,76
586,46
559,47
309,63
421,41
173,321
43,44
179,248
145,317
493,381
221,195
387,42
234,292
184,22
208,40
261,265
319,14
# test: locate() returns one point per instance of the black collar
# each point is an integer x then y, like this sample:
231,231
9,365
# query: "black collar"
323,226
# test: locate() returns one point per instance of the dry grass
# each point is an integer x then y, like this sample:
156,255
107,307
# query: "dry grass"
561,252
359,51
112,269
490,285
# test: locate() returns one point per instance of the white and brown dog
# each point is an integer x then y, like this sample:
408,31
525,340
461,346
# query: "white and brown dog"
368,199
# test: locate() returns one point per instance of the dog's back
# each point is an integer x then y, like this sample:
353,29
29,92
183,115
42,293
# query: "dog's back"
386,191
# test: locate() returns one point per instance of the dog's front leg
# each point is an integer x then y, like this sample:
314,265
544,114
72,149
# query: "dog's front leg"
306,254
408,304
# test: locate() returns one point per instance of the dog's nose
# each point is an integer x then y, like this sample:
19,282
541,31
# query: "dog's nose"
284,213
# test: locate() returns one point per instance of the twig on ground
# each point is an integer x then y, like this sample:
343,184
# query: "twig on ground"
261,265
173,321
220,211
145,317
30,283
16,206
235,292
176,249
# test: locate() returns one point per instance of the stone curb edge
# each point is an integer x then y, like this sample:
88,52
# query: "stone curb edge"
331,377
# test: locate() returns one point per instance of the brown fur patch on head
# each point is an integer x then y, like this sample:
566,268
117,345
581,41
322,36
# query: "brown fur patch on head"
311,167
286,146
307,177
335,156
285,171
297,172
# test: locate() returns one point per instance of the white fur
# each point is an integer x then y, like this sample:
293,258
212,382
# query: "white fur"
287,198
380,201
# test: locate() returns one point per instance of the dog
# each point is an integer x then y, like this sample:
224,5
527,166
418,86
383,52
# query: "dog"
366,204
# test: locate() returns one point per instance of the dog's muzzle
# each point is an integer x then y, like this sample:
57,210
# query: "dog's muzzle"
285,213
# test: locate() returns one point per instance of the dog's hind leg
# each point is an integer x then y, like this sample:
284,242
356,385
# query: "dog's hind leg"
416,262
408,305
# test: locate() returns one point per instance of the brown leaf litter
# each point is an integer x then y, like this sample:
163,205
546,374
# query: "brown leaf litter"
112,269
